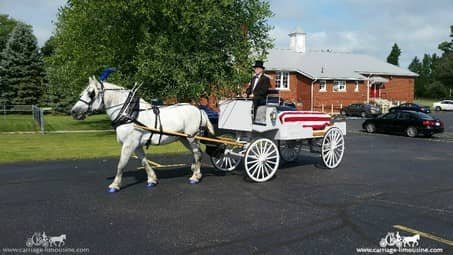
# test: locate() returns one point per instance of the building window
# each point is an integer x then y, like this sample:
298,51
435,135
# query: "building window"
282,80
322,86
339,86
356,89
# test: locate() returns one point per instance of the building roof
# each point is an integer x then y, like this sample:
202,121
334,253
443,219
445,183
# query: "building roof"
331,65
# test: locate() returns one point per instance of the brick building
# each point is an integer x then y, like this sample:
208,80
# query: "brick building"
317,80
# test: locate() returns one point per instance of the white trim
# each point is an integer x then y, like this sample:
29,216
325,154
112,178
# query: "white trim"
356,89
341,91
280,75
322,90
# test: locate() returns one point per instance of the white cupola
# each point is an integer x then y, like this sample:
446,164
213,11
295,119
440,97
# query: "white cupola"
297,40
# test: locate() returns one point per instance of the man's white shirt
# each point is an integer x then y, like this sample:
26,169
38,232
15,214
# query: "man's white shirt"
257,78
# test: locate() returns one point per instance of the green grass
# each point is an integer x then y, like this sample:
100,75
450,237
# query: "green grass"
24,122
35,147
425,101
17,122
93,122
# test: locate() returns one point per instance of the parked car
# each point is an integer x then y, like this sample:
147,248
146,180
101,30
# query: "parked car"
410,107
362,110
407,122
443,105
212,115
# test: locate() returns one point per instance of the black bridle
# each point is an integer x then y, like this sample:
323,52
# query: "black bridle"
92,94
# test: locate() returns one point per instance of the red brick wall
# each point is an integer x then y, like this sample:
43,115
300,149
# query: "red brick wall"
298,92
398,89
338,99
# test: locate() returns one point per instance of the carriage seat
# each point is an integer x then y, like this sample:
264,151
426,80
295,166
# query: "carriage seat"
262,114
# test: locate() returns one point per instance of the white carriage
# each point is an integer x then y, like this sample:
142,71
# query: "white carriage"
262,142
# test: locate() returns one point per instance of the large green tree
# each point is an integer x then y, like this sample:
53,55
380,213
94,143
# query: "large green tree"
443,67
178,48
416,67
394,56
21,68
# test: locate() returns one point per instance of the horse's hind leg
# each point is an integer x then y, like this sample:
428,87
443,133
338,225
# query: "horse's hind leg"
126,152
152,178
194,146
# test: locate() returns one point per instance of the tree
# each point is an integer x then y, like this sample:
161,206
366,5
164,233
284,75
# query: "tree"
49,47
443,67
6,26
416,67
21,68
437,90
393,57
178,48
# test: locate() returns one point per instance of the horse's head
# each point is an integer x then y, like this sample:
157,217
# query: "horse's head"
90,100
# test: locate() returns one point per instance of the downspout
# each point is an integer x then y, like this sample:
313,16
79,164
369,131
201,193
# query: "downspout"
368,89
312,97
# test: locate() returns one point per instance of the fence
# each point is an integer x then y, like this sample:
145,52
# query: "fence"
38,117
15,118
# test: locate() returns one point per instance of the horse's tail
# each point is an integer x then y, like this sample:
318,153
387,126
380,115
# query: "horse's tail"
208,123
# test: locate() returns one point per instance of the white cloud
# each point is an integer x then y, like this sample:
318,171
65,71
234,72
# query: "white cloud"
368,27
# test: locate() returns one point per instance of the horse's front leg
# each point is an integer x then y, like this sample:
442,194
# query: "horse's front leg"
152,178
194,146
126,152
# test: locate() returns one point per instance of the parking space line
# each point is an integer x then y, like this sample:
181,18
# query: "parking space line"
427,235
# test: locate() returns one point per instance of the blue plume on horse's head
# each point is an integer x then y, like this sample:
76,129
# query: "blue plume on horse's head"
106,72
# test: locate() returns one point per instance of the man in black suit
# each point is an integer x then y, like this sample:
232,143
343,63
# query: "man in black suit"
259,85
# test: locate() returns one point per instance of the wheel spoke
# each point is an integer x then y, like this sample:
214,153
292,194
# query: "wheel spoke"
252,161
268,167
254,168
229,163
253,157
260,169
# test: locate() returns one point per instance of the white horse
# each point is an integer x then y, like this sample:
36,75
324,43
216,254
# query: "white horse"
57,240
411,241
183,118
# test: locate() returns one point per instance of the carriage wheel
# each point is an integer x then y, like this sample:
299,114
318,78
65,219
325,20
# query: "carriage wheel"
332,148
289,150
225,162
261,160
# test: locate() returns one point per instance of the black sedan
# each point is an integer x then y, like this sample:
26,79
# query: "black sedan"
361,110
407,122
410,107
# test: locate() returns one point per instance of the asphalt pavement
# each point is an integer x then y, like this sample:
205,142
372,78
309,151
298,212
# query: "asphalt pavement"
383,181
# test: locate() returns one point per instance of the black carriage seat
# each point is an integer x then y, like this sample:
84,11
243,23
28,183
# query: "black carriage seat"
273,98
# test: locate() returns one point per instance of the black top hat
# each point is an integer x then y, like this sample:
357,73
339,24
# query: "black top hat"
258,63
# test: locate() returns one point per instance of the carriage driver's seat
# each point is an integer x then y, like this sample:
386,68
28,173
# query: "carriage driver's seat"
272,100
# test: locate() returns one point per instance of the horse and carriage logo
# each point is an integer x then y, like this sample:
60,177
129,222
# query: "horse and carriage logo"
392,239
41,239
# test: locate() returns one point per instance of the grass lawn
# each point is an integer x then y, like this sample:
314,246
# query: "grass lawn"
34,147
425,101
24,122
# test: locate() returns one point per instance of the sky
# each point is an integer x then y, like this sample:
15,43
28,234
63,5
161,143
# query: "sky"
368,27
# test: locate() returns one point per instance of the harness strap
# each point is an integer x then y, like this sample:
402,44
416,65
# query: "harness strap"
157,119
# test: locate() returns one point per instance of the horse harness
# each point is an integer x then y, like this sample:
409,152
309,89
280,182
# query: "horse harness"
130,111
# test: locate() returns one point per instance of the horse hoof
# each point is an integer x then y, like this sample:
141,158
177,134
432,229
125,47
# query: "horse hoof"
193,181
112,190
150,185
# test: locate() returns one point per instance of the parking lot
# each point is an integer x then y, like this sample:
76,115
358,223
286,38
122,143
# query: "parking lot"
384,181
355,125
